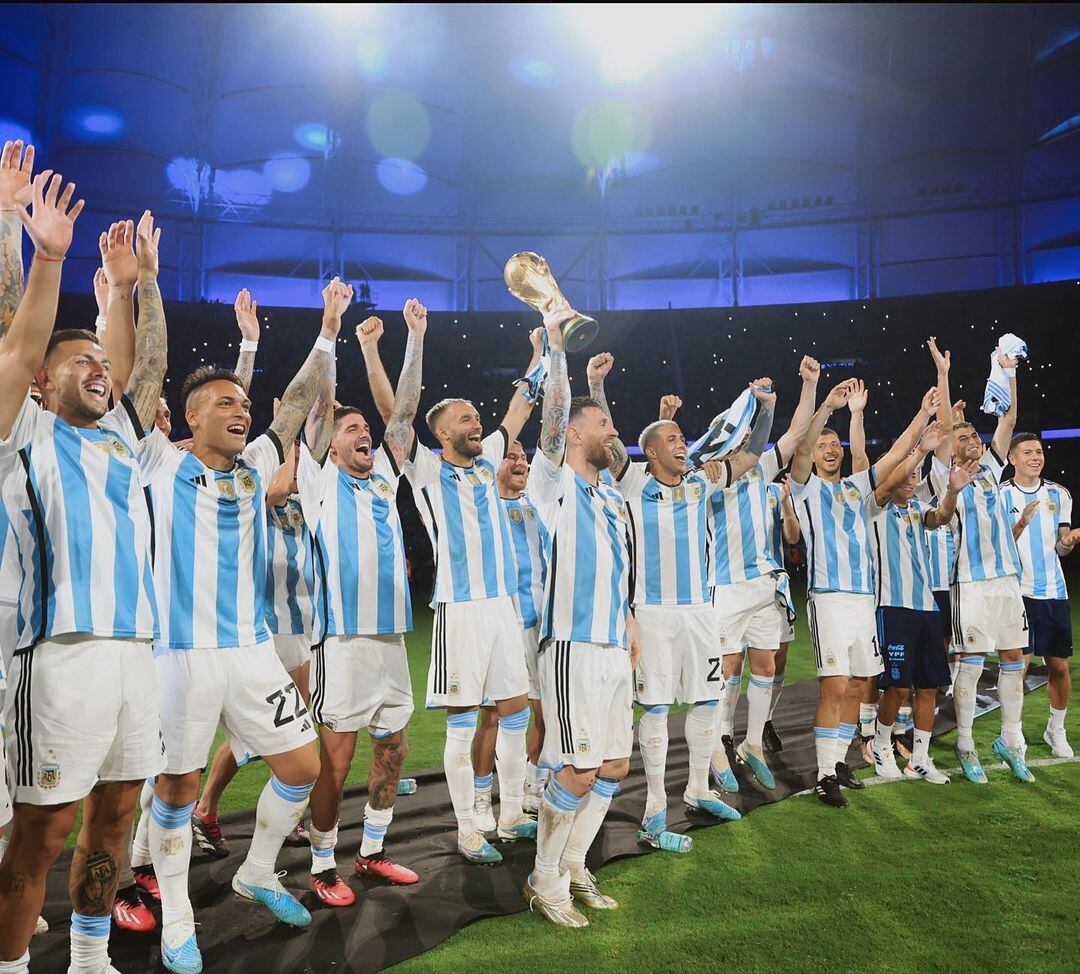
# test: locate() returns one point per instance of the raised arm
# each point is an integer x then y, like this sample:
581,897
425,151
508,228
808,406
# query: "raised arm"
1006,425
809,372
801,463
789,524
669,406
15,170
959,477
556,410
597,371
945,417
121,270
927,444
750,454
318,367
519,410
281,483
907,440
860,459
368,333
399,427
151,340
319,425
49,224
247,320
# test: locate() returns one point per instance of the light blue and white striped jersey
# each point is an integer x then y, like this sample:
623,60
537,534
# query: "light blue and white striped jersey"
532,546
901,556
211,566
290,570
940,544
361,580
834,521
774,549
742,525
669,535
1041,576
982,527
586,597
469,531
82,525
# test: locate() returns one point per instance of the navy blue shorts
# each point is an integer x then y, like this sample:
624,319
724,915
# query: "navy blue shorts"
1049,627
943,598
912,649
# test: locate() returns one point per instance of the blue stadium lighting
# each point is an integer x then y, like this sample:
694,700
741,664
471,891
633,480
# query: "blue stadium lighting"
1065,434
311,135
372,57
12,131
188,176
401,176
245,187
398,126
534,71
102,122
286,173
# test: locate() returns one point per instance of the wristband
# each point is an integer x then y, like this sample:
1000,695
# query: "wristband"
50,260
325,345
99,322
247,345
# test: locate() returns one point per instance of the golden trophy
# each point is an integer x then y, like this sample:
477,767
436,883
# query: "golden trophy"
529,279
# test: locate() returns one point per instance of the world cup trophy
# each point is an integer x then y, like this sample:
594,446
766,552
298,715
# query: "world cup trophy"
529,279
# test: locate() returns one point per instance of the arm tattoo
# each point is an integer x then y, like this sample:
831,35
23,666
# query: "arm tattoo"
298,398
151,353
407,398
320,421
92,882
11,269
245,368
618,450
556,412
387,760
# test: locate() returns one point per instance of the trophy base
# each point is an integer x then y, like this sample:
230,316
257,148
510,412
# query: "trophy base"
578,332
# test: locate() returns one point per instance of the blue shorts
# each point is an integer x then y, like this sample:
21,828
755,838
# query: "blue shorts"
912,649
1049,627
943,598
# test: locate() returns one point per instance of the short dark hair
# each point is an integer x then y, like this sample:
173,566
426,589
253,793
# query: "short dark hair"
434,414
71,335
828,431
340,412
1019,438
579,404
964,424
204,375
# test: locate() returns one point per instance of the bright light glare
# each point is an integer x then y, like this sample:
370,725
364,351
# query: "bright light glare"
634,38
372,57
401,176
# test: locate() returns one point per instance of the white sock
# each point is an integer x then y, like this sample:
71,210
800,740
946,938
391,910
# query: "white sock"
920,753
89,943
21,965
758,697
322,848
825,749
729,700
457,762
883,737
700,731
140,845
1056,722
653,743
1011,696
558,809
777,688
844,735
483,784
376,822
587,822
532,776
965,687
867,716
510,759
280,807
954,665
169,834
903,722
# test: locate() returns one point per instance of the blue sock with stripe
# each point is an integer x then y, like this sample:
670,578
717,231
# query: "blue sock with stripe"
169,835
376,822
280,807
557,811
483,783
89,942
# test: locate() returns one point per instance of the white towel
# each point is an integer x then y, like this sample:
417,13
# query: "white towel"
998,397
727,431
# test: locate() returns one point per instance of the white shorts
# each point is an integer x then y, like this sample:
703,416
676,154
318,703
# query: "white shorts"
361,681
293,650
78,711
476,654
586,692
9,633
531,638
5,792
988,616
679,659
843,629
748,614
246,689
788,635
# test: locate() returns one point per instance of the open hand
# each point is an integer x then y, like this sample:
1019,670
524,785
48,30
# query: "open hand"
16,168
962,474
118,258
942,360
101,291
859,396
50,218
247,315
146,244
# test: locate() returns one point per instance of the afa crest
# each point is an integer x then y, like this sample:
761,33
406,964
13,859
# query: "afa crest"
49,772
382,488
226,489
515,515
247,482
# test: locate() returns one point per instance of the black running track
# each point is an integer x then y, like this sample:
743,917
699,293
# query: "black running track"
389,924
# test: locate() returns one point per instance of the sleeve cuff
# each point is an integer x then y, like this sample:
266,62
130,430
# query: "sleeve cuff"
390,457
133,415
273,437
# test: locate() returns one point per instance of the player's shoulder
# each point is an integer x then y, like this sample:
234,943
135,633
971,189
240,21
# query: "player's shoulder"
1054,485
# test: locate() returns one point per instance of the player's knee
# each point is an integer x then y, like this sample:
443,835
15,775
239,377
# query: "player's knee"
177,789
614,770
765,666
